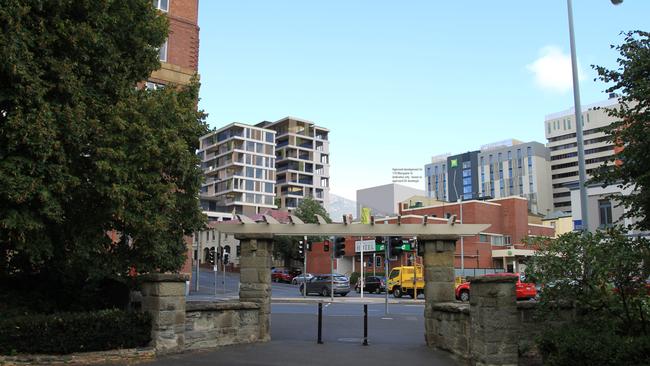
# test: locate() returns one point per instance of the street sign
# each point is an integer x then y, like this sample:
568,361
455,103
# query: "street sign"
368,245
380,247
406,246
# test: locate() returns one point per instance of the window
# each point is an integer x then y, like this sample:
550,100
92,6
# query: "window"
150,85
162,52
161,5
605,211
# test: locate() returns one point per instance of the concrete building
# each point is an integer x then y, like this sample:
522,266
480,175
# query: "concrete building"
238,162
435,175
604,210
560,132
302,161
560,220
501,169
384,200
179,55
515,168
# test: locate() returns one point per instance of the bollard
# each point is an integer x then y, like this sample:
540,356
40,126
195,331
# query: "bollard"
320,323
365,324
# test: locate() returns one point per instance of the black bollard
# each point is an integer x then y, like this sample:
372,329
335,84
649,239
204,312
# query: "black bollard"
320,323
365,324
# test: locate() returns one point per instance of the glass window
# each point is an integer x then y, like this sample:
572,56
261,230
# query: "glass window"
250,185
269,137
467,173
161,5
249,172
605,213
467,164
162,52
394,273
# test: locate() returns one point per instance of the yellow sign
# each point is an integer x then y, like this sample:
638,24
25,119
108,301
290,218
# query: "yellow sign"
365,215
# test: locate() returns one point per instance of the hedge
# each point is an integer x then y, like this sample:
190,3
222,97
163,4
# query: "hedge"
64,333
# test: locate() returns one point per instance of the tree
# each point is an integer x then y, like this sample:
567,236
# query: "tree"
630,167
83,152
602,277
286,247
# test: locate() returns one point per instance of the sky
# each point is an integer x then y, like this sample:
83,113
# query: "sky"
398,82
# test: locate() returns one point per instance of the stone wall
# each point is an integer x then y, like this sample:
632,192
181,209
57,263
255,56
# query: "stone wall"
448,327
214,324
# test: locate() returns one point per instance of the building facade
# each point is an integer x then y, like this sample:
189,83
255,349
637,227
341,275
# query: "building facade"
238,163
302,161
514,168
384,200
501,169
560,130
179,55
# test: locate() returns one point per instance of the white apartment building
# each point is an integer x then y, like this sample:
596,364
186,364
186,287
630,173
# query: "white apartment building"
515,168
435,175
560,130
238,163
302,161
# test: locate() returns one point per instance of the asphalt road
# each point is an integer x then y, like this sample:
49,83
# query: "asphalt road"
397,338
278,290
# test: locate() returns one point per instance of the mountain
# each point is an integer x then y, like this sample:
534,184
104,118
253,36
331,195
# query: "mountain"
339,206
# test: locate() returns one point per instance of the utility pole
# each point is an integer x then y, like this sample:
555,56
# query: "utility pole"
304,272
333,249
386,253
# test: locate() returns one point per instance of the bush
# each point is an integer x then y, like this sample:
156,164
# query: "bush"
592,345
64,333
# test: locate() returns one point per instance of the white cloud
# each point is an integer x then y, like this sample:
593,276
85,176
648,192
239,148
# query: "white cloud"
553,70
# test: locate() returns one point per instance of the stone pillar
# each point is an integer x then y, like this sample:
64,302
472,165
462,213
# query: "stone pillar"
163,296
438,281
255,276
493,320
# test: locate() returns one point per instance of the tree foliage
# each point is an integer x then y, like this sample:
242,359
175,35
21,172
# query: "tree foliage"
309,208
83,152
602,277
630,167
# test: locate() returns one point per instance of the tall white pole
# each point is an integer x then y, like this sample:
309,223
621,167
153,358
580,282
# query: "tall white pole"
582,176
363,268
462,243
304,273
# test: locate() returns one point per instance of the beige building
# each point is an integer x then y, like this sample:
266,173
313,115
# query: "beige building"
302,161
560,132
238,163
561,221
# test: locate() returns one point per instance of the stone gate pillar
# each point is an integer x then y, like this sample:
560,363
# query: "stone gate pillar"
438,280
255,276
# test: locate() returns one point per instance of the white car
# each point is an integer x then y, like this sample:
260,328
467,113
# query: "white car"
301,278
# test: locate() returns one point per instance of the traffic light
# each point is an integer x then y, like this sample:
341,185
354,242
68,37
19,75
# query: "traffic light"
419,246
395,246
339,247
326,246
301,249
226,258
211,256
379,240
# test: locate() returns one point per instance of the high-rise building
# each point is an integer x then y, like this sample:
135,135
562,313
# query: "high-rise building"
560,130
179,55
514,168
238,163
498,170
302,161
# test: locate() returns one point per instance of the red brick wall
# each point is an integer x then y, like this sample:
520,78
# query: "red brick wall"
183,44
318,260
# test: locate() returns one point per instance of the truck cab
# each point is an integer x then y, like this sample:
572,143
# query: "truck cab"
401,281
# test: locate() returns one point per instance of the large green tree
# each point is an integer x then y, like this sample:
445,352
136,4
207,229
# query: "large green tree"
631,166
83,152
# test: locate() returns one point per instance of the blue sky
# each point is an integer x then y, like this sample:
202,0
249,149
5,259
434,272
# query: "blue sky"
398,82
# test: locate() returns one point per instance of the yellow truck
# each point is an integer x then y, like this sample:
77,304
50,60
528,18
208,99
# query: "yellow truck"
400,281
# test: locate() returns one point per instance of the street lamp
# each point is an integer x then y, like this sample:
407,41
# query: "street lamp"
578,116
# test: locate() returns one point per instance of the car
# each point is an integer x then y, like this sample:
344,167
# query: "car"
281,275
525,290
374,284
301,278
322,285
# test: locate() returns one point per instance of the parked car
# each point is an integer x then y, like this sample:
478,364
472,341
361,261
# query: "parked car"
374,284
302,278
322,285
525,290
281,275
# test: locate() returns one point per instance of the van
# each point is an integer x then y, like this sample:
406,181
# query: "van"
400,281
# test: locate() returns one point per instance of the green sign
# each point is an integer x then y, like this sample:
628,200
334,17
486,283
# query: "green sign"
454,163
379,247
406,246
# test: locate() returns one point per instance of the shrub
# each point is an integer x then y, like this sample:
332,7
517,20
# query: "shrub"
64,333
592,345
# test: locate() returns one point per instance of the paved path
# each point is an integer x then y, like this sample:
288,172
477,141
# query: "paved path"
395,339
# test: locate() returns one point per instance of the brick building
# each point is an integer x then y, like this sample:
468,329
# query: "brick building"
179,55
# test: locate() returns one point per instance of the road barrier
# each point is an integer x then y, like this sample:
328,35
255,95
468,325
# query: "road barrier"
320,324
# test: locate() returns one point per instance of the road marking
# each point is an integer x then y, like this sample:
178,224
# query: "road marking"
291,303
417,305
387,318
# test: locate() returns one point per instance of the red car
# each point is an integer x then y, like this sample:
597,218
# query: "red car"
281,275
525,291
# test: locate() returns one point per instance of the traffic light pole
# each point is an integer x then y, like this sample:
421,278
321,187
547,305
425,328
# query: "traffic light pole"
386,245
304,272
332,269
198,260
215,262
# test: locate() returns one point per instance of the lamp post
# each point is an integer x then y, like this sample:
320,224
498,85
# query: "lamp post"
582,174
